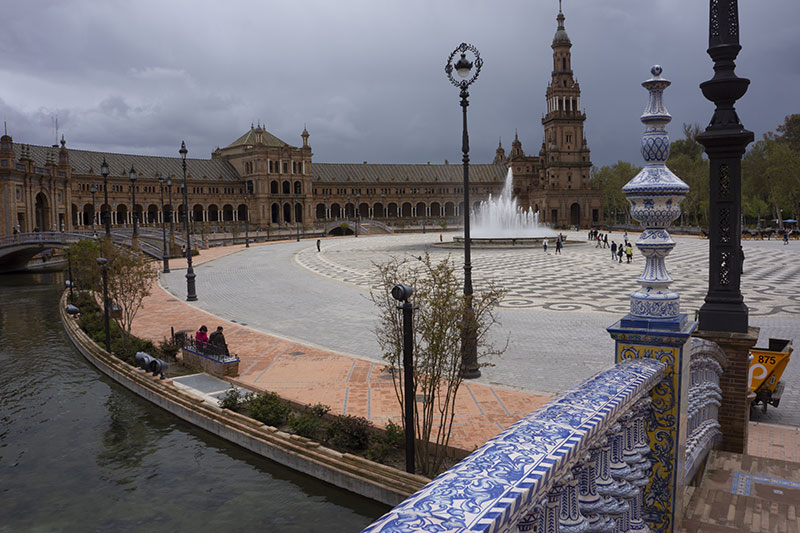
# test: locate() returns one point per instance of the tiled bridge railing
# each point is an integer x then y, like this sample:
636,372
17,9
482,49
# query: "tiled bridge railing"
577,464
707,363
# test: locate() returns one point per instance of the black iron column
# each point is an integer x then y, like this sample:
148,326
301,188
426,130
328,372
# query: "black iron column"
402,293
93,190
165,253
106,211
724,140
132,177
246,216
469,342
103,262
191,294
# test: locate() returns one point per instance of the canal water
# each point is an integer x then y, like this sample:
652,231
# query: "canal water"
80,453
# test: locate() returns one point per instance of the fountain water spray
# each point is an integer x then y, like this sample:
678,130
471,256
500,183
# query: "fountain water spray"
503,218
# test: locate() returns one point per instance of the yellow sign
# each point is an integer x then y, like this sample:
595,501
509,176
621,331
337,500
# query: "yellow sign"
766,369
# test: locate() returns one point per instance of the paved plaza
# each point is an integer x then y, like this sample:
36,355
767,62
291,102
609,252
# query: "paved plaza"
554,315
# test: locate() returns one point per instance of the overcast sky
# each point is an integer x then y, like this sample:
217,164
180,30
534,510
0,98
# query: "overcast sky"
367,77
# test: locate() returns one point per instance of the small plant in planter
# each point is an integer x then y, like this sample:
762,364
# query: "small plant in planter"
308,422
268,408
349,433
235,399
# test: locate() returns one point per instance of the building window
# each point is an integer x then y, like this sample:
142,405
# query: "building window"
286,168
569,138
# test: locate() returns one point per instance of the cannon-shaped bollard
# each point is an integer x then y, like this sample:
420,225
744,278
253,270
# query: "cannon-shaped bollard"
151,364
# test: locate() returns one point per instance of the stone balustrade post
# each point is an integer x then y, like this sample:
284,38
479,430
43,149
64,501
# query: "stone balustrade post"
570,519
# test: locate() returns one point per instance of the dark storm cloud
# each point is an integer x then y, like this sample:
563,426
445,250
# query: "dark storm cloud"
366,78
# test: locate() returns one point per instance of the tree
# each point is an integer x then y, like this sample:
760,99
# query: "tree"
130,279
83,255
439,304
790,131
610,180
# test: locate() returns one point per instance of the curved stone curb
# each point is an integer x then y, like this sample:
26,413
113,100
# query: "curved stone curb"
373,480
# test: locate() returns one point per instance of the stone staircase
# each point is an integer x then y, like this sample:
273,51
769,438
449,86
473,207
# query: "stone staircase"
743,493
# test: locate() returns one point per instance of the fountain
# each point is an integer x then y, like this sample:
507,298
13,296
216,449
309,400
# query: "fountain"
501,221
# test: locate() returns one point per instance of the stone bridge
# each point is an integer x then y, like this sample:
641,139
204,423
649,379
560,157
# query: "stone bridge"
17,250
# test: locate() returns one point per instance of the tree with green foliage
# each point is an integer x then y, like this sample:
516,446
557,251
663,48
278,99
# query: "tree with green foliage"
440,306
610,180
83,255
131,275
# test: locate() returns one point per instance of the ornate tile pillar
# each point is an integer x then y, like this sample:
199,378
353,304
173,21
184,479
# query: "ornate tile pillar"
655,328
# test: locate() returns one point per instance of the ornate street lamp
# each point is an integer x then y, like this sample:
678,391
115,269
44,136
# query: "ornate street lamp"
171,211
463,67
246,216
296,223
106,211
358,212
724,141
191,294
132,176
165,253
93,190
104,270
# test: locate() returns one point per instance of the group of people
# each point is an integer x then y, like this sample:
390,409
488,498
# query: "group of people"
216,340
625,249
559,244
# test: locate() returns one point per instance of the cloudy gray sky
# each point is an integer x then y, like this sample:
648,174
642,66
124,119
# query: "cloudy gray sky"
366,76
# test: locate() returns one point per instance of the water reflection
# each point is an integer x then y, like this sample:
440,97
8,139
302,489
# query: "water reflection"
78,452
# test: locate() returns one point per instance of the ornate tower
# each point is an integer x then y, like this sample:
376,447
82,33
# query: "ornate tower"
566,154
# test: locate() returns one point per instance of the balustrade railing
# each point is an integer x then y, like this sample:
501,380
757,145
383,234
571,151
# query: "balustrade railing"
578,464
707,363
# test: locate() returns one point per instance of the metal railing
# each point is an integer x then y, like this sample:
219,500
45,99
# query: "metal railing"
212,351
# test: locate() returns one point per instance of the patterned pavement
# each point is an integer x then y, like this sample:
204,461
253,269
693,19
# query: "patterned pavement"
554,316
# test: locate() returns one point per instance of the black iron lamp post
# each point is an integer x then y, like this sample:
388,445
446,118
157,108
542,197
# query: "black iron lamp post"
191,294
165,253
724,141
402,293
93,190
246,216
171,215
463,67
104,270
296,223
358,212
132,176
106,211
69,270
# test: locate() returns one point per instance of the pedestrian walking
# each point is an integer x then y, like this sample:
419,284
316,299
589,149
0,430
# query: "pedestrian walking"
605,240
785,236
629,252
598,240
620,251
613,250
559,245
16,233
544,245
318,245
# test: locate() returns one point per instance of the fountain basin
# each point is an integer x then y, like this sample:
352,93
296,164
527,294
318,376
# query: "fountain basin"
504,242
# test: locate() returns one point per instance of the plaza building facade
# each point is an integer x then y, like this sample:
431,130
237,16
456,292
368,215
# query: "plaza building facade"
276,184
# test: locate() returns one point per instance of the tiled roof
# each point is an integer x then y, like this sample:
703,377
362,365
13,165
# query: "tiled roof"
85,162
388,173
249,138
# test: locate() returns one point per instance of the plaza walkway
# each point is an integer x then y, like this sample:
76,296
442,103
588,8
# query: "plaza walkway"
302,322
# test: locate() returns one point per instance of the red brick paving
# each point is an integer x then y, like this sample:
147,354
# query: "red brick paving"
310,375
357,387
